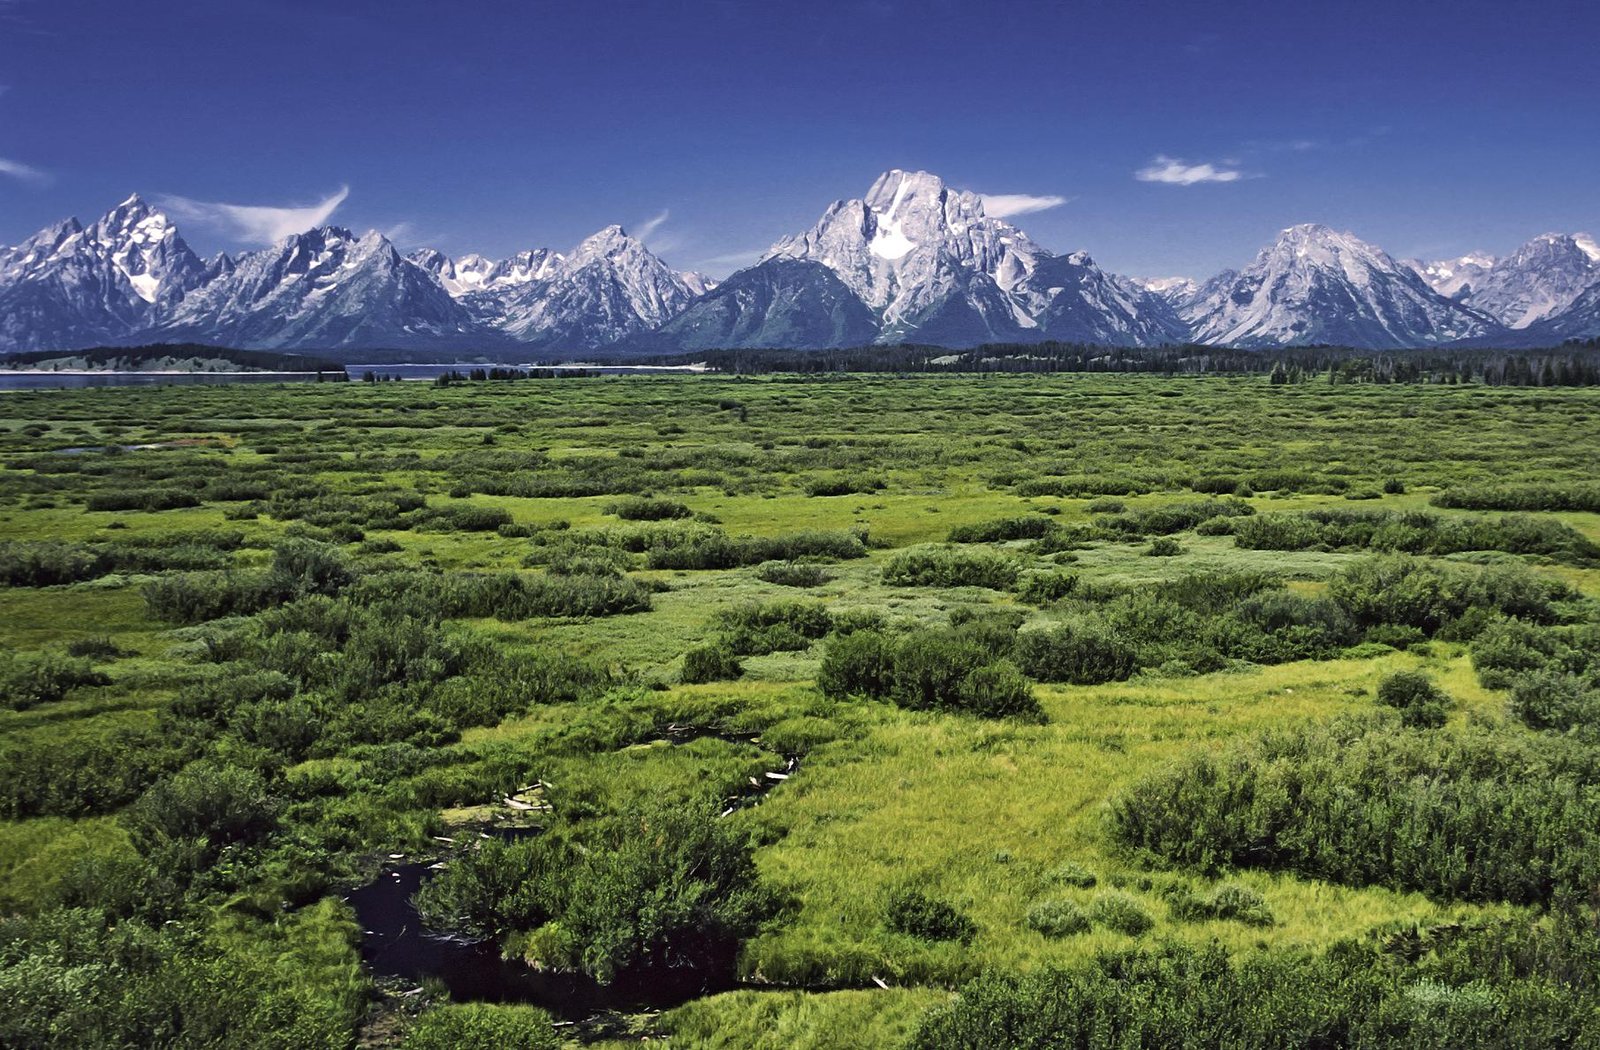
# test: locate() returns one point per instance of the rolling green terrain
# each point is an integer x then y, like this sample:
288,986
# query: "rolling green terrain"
1137,710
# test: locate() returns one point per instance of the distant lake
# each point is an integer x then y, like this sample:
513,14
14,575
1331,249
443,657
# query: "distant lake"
72,380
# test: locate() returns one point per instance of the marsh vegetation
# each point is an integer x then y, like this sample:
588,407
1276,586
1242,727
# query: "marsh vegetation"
1090,710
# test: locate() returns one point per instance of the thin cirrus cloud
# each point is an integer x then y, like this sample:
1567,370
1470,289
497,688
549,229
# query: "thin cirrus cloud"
728,261
649,232
1175,172
1005,205
255,223
23,172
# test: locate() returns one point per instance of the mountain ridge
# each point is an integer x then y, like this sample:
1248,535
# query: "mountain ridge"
911,260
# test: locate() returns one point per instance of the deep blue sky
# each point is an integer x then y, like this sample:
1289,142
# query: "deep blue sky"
1429,128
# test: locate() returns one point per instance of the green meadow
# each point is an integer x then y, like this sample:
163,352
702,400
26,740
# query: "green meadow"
1094,700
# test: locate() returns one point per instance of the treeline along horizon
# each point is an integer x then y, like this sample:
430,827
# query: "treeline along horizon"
1573,364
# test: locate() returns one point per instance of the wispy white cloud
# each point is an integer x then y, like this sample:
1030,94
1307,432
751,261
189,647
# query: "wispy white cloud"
24,172
650,233
1175,172
255,223
728,262
403,234
646,229
1005,205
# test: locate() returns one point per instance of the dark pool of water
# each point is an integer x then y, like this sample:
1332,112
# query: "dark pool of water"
395,944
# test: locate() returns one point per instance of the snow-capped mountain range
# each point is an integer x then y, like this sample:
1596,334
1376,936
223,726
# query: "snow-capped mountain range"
913,260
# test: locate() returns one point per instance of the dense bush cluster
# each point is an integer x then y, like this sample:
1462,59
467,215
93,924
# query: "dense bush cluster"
29,679
1487,987
47,563
70,979
1171,518
643,508
950,567
710,548
1521,497
1553,672
792,574
1000,530
1413,532
150,499
1082,651
1480,815
927,670
1421,703
915,914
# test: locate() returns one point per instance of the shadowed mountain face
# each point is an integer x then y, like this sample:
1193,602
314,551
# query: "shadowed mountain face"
782,303
913,260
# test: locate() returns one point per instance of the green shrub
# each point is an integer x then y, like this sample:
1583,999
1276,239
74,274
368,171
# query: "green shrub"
193,814
27,680
1120,912
1557,700
703,547
792,574
1205,999
1081,652
857,664
998,690
1058,918
148,499
1047,588
711,663
640,508
1544,496
1505,649
999,530
663,887
96,647
916,915
467,519
843,485
494,889
1163,547
928,670
1412,532
1230,902
946,567
1421,703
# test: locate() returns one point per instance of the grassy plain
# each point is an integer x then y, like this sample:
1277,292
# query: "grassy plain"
982,814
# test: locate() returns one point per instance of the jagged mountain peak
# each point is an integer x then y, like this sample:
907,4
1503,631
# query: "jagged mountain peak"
611,286
1315,243
926,264
324,288
1540,280
896,186
606,243
1315,284
70,286
909,243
